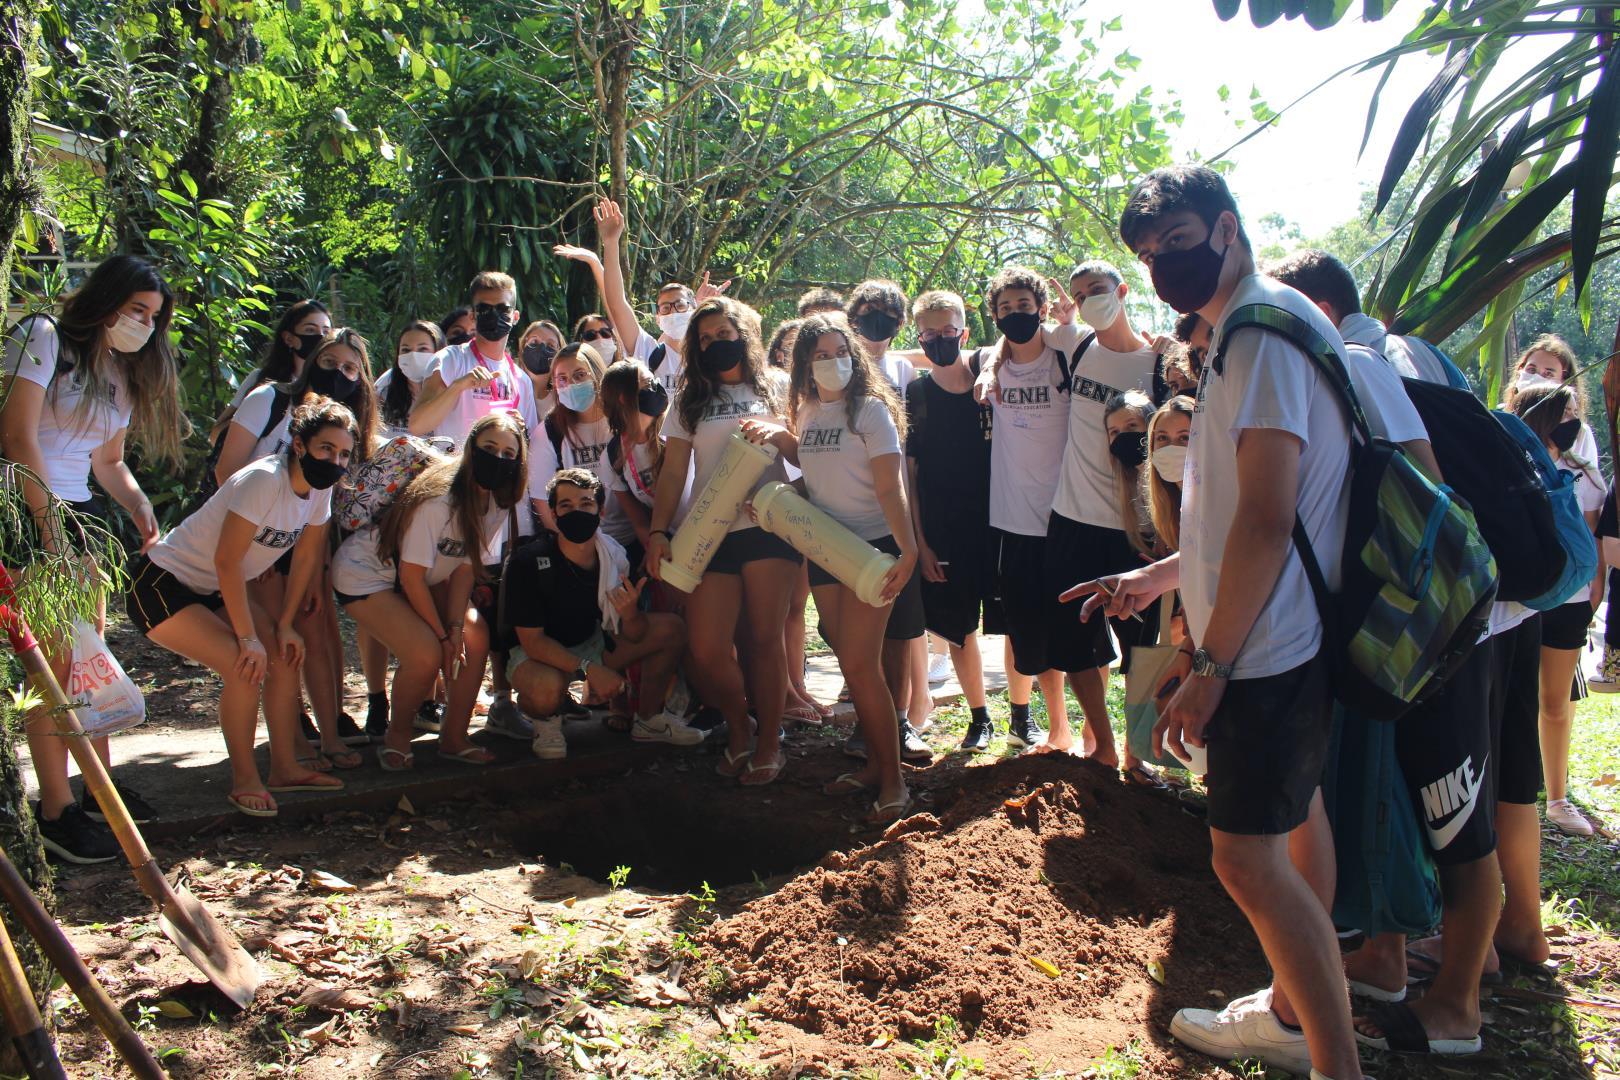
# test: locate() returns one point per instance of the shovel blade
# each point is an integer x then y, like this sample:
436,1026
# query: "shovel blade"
210,946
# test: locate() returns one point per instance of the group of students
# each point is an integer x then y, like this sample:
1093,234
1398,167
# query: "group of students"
1073,458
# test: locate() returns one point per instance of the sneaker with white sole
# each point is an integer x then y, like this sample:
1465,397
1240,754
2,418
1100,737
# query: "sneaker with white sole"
939,667
1246,1028
666,729
507,720
548,743
1562,815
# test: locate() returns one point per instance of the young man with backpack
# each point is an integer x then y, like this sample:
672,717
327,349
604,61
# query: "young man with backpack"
1085,537
1270,445
1441,751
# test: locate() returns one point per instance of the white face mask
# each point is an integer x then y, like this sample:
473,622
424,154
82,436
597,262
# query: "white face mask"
674,324
1100,311
833,373
128,335
1529,380
414,365
606,348
1170,461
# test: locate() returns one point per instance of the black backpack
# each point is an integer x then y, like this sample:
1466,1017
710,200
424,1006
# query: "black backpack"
1485,465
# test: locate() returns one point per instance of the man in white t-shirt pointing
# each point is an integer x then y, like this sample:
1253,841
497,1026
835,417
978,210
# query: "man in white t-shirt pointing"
467,382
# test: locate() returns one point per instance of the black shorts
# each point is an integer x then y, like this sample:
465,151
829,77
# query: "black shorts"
1444,749
1078,552
951,608
1026,599
1267,745
906,616
155,595
750,545
1565,626
1516,696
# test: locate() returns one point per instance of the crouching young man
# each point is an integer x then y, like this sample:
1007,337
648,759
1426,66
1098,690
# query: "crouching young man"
1269,443
575,614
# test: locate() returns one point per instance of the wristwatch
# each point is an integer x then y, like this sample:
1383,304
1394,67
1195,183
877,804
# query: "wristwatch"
1203,664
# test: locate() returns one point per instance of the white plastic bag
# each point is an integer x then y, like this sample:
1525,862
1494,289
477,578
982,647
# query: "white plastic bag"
97,678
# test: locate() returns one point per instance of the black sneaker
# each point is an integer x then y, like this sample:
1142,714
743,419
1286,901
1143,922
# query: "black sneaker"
307,726
912,748
349,732
76,838
377,721
855,745
140,811
978,734
428,717
1024,732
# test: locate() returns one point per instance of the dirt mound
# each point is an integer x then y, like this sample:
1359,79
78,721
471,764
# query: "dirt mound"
1076,923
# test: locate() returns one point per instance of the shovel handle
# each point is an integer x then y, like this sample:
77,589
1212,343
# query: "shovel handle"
28,1035
14,890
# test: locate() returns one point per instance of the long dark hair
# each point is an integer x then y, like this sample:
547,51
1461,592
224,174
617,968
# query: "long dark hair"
397,399
698,387
454,476
157,421
865,381
279,360
618,392
364,403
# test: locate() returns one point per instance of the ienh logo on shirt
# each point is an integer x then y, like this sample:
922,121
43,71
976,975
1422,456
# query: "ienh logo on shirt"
277,538
818,438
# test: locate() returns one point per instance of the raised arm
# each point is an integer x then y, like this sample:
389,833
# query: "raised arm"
620,312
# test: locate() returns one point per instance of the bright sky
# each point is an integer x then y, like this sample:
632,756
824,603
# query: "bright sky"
1305,165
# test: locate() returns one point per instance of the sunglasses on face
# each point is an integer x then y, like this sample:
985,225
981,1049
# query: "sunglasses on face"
499,309
592,335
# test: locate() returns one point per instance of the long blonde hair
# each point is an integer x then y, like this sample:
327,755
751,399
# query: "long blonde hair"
562,418
1163,497
1128,494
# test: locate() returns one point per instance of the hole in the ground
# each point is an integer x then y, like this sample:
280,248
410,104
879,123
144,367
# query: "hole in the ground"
674,839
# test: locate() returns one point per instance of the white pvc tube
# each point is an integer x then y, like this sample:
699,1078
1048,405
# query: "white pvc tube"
819,537
716,507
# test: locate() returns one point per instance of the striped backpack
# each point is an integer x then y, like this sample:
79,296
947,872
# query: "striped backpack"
1417,580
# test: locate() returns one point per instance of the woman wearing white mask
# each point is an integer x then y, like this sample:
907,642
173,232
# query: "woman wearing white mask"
398,386
846,437
1168,434
74,387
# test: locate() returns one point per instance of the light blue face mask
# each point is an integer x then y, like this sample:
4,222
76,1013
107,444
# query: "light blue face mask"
577,396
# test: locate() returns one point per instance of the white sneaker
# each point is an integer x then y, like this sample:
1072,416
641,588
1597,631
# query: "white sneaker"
1246,1028
549,743
939,667
668,729
678,702
1566,819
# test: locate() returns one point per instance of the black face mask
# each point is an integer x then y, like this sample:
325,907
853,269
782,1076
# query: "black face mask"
577,526
876,325
942,351
307,344
1187,279
1019,326
722,355
458,337
537,356
652,400
1564,435
491,471
333,383
318,473
1129,448
494,325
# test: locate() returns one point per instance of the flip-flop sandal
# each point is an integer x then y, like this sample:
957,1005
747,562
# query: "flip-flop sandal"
235,799
316,763
803,713
1404,1034
890,812
770,772
845,784
403,761
343,759
472,755
305,784
1142,776
618,723
1376,993
1421,968
733,766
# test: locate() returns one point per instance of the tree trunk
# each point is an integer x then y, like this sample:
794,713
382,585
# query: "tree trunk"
19,836
226,40
616,74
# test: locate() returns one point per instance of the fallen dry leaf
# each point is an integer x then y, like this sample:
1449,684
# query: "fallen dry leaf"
1156,970
335,998
322,1033
330,882
405,806
465,1029
173,1010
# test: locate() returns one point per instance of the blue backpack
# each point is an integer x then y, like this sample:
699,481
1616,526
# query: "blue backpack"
1575,540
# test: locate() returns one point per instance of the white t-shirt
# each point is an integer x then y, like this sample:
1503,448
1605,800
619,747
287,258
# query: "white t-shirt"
70,427
1590,495
260,491
720,418
1026,456
669,368
1390,413
1266,382
511,390
585,447
1085,490
432,540
641,483
837,462
254,414
899,371
1412,361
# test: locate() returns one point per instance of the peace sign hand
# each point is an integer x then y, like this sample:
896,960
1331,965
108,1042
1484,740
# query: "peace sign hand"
1064,307
626,596
704,290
